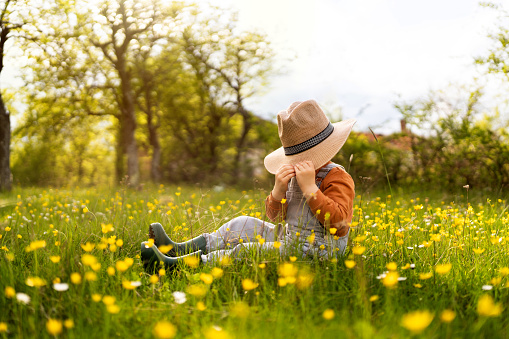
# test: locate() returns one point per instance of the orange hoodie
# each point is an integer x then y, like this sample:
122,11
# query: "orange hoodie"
334,198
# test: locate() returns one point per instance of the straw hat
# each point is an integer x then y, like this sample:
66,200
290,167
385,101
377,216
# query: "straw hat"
307,135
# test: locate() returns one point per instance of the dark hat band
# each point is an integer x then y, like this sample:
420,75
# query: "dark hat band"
304,146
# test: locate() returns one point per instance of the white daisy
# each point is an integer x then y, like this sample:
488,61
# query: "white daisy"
180,297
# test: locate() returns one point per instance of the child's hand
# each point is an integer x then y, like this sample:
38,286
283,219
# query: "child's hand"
283,176
305,173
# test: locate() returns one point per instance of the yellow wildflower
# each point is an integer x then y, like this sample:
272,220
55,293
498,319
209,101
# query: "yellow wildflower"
304,280
54,259
479,250
391,279
88,247
10,292
154,279
287,270
88,259
447,316
35,282
192,261
69,323
417,321
110,270
76,278
392,266
200,306
90,276
109,300
443,269
486,307
197,290
216,332
504,271
358,250
164,330
248,284
328,314
121,266
217,272
113,309
165,248
35,245
106,228
425,276
206,278
350,263
54,326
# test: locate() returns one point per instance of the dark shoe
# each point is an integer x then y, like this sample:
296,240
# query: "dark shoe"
156,232
151,256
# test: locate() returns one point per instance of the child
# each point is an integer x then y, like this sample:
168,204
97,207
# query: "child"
313,195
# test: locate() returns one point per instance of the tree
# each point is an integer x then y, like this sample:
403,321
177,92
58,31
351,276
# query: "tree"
243,60
9,23
459,143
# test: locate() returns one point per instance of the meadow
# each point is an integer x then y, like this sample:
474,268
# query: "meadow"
415,266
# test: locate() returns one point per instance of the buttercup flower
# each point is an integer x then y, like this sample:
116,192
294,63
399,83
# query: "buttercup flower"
486,307
447,316
350,263
10,292
248,285
328,314
417,321
76,278
443,269
197,290
206,278
358,250
164,330
54,326
88,247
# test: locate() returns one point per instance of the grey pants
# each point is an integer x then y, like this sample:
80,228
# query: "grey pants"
225,241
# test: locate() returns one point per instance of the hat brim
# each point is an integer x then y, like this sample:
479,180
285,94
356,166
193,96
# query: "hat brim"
319,155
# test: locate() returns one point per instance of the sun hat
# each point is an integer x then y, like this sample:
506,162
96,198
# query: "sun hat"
307,135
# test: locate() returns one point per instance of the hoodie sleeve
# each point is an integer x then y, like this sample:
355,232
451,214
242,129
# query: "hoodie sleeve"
275,209
333,203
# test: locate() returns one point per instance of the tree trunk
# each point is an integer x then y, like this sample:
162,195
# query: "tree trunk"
241,142
155,163
128,125
5,142
119,157
5,119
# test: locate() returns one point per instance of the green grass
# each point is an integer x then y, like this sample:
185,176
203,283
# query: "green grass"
447,232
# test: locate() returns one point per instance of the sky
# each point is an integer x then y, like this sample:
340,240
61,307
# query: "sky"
359,57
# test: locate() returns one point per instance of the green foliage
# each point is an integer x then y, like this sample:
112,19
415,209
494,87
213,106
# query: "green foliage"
459,144
186,74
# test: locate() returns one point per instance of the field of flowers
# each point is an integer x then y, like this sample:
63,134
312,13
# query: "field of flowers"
70,267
